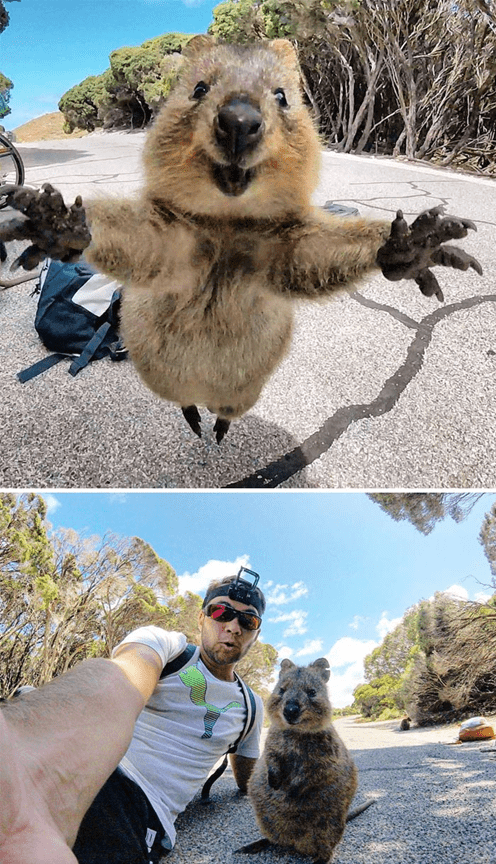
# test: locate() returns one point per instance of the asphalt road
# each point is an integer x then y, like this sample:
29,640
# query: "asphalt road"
434,804
382,388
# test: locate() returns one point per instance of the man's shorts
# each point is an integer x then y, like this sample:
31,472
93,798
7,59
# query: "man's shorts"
121,826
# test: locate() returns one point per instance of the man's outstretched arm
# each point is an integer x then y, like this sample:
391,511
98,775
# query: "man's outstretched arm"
59,744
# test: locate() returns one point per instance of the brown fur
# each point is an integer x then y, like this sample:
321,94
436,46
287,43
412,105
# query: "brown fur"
305,780
211,278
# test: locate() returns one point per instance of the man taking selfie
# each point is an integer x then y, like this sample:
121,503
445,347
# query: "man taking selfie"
103,759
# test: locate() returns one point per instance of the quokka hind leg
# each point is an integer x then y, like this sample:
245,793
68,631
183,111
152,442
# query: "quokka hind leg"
225,411
220,428
192,417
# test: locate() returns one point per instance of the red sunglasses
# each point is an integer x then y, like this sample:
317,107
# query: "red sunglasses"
224,612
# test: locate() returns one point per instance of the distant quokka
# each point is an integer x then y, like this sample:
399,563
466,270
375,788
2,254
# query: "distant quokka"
303,784
223,238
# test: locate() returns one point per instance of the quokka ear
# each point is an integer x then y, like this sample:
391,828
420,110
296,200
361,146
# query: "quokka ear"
198,45
286,665
322,667
287,52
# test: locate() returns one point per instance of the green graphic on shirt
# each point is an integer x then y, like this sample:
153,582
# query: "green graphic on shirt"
195,679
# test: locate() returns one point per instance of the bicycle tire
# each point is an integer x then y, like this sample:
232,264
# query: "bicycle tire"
11,166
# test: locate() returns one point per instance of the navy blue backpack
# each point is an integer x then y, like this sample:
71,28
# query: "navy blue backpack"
77,317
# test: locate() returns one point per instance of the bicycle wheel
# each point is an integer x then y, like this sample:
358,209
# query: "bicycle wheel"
11,166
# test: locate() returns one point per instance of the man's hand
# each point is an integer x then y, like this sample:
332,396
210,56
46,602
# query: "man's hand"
42,217
410,252
58,746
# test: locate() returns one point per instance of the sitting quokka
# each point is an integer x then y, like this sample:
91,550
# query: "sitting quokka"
304,782
223,239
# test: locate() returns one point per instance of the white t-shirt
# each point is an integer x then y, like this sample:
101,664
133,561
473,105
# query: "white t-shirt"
190,721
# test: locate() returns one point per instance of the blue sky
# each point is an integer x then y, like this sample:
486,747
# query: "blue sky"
50,45
338,573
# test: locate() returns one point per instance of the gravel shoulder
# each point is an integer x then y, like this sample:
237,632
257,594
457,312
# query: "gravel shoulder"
435,803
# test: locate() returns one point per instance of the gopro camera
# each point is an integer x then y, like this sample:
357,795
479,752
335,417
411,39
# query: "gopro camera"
241,589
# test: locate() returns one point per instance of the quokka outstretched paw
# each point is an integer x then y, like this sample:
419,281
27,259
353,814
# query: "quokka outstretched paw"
54,230
410,251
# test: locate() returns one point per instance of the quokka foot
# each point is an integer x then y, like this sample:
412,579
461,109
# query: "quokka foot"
192,417
221,427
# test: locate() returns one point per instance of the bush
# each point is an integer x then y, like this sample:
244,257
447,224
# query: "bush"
81,103
131,91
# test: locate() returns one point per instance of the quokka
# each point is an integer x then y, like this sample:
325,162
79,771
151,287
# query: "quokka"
223,239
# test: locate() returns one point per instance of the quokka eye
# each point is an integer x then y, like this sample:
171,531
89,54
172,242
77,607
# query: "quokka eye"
281,97
311,692
200,90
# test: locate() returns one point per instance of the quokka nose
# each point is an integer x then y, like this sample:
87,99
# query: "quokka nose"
291,711
239,126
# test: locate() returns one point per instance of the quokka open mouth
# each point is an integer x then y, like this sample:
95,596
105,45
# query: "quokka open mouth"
232,179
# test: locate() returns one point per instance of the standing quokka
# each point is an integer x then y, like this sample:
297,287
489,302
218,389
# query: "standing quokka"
304,782
223,239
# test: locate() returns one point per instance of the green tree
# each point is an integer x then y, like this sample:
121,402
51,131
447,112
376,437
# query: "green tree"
425,509
6,84
64,597
4,15
80,105
393,655
438,664
487,538
379,699
130,91
257,667
234,21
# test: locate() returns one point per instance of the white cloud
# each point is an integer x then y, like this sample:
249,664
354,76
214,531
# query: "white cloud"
481,597
457,591
348,651
347,655
283,653
357,621
198,582
311,646
278,595
297,621
386,625
454,591
52,503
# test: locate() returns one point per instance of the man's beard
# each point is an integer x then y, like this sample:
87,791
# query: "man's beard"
223,658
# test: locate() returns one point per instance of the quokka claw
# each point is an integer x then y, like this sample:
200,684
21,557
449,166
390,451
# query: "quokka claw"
411,251
54,230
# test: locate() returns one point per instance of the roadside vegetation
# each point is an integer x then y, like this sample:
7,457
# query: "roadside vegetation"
6,84
407,78
64,598
439,664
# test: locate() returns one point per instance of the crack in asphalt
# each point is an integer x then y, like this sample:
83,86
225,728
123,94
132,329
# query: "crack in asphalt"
321,441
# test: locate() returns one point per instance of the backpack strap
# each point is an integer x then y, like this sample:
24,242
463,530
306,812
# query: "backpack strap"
39,367
178,662
93,345
89,349
192,653
251,708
